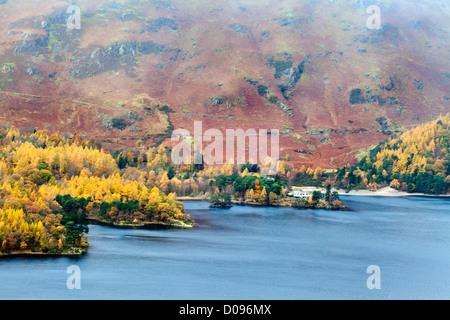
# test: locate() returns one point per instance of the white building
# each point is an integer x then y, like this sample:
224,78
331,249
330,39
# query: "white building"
305,192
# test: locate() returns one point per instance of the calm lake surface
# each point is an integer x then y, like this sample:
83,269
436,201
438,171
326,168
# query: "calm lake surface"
257,253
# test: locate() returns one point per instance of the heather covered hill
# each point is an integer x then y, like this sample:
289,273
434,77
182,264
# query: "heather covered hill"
136,70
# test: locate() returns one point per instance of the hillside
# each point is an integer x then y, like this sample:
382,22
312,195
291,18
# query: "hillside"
416,161
136,70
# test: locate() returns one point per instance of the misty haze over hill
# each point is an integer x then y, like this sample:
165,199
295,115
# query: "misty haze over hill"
136,70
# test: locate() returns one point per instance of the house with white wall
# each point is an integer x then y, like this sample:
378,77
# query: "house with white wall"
305,192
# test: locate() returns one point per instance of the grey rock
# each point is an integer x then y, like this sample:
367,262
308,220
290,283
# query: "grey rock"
215,101
156,24
239,28
113,57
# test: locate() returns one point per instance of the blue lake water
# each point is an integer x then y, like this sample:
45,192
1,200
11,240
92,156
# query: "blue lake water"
257,253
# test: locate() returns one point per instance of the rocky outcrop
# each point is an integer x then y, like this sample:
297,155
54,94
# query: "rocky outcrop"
113,57
34,46
289,80
285,108
289,21
156,24
239,28
385,124
387,32
216,101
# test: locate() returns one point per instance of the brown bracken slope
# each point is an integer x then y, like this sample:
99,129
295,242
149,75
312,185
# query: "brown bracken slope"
311,69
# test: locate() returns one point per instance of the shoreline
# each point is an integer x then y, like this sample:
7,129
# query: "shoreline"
143,225
289,203
386,192
199,198
77,252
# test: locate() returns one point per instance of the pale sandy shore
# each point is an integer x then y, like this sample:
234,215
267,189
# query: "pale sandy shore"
385,192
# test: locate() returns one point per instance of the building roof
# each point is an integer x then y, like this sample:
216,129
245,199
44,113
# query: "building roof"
307,189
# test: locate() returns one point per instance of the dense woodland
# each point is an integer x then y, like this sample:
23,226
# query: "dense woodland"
52,184
417,161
